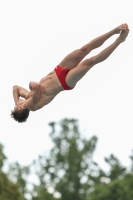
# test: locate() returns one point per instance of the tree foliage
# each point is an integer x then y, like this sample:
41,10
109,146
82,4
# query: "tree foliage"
19,174
131,157
8,189
69,169
119,189
41,193
116,169
2,157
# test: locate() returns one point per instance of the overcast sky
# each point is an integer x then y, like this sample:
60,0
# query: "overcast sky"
34,37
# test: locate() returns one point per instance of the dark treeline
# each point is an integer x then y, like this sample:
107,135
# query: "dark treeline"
69,171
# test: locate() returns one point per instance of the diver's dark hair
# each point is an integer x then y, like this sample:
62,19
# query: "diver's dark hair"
20,116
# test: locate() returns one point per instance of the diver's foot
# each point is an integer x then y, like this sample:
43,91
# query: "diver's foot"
123,35
120,28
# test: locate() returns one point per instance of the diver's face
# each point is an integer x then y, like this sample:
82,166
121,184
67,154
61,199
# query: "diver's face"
19,105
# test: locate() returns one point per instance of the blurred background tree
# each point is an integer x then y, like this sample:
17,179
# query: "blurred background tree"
2,157
19,175
131,157
116,169
118,189
117,184
40,193
8,189
69,169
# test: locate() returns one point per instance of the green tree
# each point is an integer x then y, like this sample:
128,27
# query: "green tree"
19,175
2,157
131,157
8,190
116,169
119,189
41,193
69,168
118,183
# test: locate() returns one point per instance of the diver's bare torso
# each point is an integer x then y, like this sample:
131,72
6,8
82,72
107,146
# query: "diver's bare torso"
50,84
50,87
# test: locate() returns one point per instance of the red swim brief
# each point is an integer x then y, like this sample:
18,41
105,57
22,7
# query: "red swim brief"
61,73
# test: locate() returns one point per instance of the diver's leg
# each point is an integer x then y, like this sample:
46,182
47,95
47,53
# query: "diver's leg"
75,74
74,58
